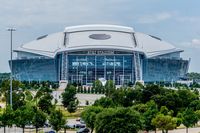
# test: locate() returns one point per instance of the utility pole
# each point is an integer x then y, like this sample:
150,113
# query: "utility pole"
11,57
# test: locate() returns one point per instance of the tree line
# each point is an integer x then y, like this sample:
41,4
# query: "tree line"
129,109
30,109
147,108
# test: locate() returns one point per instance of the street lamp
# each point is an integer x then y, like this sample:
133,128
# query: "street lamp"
11,56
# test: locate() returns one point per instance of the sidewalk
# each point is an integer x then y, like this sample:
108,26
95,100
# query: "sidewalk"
190,130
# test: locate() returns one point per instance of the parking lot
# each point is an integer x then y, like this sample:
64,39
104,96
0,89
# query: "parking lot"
81,97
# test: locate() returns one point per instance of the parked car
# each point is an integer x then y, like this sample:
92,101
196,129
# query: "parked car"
83,130
70,126
47,125
50,131
29,126
78,119
82,121
80,125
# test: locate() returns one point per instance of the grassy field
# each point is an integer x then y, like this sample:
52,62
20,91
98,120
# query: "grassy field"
70,115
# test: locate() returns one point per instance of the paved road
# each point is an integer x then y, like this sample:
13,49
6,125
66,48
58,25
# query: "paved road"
19,130
190,130
11,130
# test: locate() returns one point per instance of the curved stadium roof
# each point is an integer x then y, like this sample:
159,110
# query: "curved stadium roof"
86,37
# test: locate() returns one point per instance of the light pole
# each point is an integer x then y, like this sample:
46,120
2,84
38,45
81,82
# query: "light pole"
11,56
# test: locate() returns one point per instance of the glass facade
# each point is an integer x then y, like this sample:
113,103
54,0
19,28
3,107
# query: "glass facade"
164,69
35,70
85,69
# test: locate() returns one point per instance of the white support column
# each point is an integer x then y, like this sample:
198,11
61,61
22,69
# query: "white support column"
95,67
77,76
114,71
137,67
86,69
141,69
59,69
64,66
104,67
133,67
67,67
123,72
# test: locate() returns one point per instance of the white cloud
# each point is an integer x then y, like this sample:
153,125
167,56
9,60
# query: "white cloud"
190,19
155,18
27,14
194,43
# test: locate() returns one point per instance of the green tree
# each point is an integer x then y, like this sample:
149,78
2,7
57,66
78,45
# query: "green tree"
23,116
149,114
149,91
5,86
39,118
79,89
128,97
170,99
164,110
28,95
18,99
197,112
97,86
4,76
118,120
56,120
85,90
137,94
195,105
104,102
103,90
43,95
7,118
45,103
179,119
68,95
187,96
88,90
109,88
18,96
140,107
89,116
72,107
138,85
164,122
87,102
42,91
189,118
92,90
123,97
193,76
38,95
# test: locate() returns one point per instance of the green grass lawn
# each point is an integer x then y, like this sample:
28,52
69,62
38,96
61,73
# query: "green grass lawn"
70,115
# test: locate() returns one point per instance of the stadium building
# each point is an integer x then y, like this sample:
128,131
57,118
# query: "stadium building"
85,53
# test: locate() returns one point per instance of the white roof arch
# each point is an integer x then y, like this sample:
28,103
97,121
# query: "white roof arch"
76,38
98,27
154,46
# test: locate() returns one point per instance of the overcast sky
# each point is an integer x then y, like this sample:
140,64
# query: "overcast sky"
177,21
